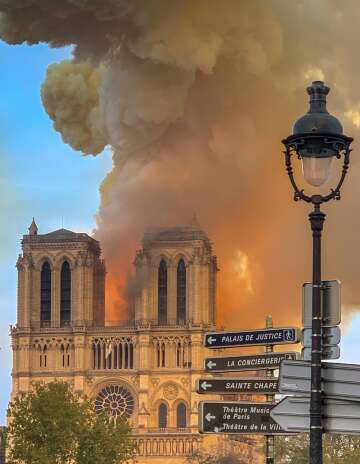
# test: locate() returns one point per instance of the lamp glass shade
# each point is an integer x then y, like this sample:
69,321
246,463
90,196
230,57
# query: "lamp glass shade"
316,170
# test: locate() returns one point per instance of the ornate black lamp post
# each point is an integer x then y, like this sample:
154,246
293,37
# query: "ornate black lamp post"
317,139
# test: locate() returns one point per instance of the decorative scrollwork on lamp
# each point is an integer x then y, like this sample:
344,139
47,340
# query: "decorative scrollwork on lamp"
316,140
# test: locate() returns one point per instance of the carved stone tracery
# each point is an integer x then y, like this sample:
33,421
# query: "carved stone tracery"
171,391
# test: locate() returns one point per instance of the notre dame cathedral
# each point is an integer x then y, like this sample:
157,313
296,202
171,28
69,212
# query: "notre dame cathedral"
145,368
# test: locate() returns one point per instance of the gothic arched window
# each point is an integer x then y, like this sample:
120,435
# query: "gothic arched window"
65,292
163,416
181,416
181,293
65,355
45,295
162,293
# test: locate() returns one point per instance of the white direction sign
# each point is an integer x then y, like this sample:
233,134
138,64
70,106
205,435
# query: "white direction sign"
293,415
330,303
328,352
338,380
331,336
273,336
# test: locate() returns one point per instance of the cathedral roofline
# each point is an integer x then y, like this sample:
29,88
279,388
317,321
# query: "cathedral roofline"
175,234
61,235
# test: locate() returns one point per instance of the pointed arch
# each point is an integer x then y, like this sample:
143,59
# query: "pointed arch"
162,416
65,294
162,292
45,295
181,413
181,292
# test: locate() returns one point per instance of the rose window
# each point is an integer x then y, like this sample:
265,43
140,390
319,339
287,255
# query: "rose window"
115,400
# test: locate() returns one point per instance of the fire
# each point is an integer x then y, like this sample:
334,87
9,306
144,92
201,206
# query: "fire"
193,98
241,269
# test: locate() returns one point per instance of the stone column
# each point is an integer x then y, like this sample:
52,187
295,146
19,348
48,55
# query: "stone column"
35,298
22,318
143,277
196,293
152,310
190,292
79,365
145,280
74,294
88,287
205,293
143,347
171,293
55,296
196,351
26,351
28,314
143,359
79,303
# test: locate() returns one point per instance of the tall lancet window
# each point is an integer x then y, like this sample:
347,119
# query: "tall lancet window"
181,416
65,299
181,293
162,293
162,416
45,295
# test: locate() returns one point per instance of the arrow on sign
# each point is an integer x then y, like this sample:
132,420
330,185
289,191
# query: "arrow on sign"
211,364
293,415
247,362
237,417
205,385
225,385
271,336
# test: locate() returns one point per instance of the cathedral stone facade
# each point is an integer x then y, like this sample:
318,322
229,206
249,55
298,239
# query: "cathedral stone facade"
144,368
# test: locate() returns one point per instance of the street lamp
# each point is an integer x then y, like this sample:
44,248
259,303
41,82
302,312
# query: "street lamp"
316,140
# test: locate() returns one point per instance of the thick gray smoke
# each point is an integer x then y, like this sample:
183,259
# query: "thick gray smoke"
194,97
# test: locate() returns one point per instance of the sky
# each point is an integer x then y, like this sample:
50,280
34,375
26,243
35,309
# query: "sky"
42,177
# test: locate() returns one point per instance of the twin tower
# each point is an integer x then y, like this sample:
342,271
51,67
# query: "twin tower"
144,368
61,279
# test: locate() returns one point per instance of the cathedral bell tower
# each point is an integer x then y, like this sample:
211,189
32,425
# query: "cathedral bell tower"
61,280
176,277
144,369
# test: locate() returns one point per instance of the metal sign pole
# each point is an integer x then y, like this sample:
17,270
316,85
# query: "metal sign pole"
317,219
270,449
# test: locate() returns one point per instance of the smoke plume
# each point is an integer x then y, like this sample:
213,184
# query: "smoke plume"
194,97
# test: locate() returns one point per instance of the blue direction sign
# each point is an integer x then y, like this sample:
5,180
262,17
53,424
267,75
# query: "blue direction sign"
275,336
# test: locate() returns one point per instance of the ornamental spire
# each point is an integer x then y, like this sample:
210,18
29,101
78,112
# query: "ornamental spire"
33,229
194,222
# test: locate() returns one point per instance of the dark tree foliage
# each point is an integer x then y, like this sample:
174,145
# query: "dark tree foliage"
201,457
338,449
53,425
